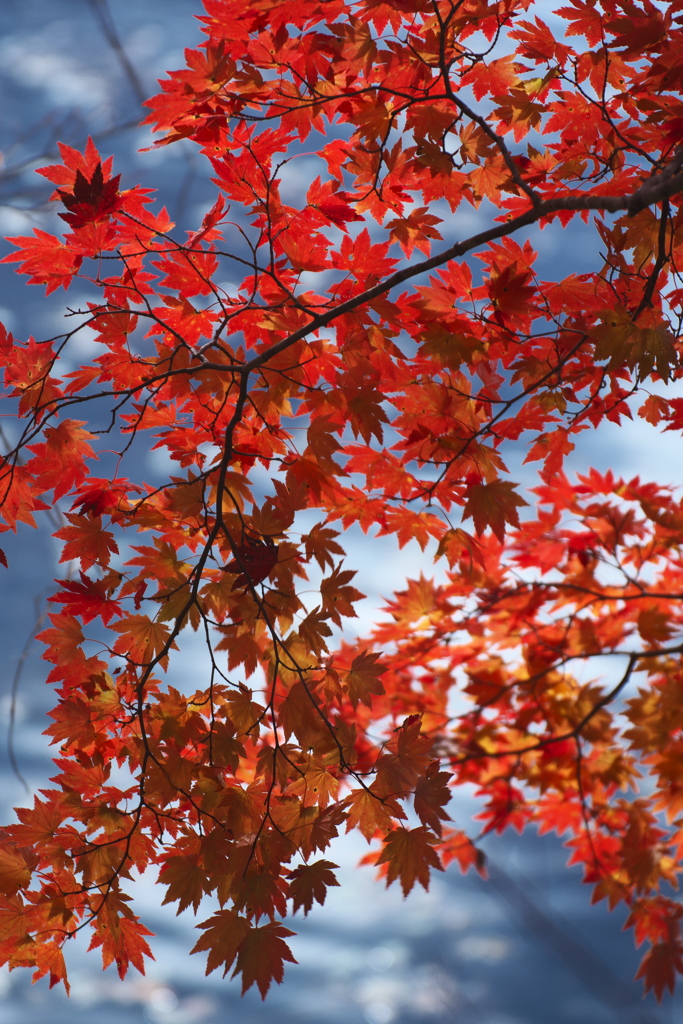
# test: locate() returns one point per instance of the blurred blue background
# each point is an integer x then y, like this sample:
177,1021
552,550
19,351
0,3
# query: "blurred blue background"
525,947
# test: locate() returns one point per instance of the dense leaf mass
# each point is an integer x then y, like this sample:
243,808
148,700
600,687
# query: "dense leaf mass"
320,352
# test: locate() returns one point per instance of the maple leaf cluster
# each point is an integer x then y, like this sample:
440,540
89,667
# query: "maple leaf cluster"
373,376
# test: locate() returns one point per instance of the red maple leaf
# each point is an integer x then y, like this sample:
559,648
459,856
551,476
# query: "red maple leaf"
90,200
254,560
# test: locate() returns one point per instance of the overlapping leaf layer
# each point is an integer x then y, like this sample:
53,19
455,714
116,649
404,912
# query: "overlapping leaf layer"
331,348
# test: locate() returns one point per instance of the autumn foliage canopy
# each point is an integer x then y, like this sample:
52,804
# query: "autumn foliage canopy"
349,352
